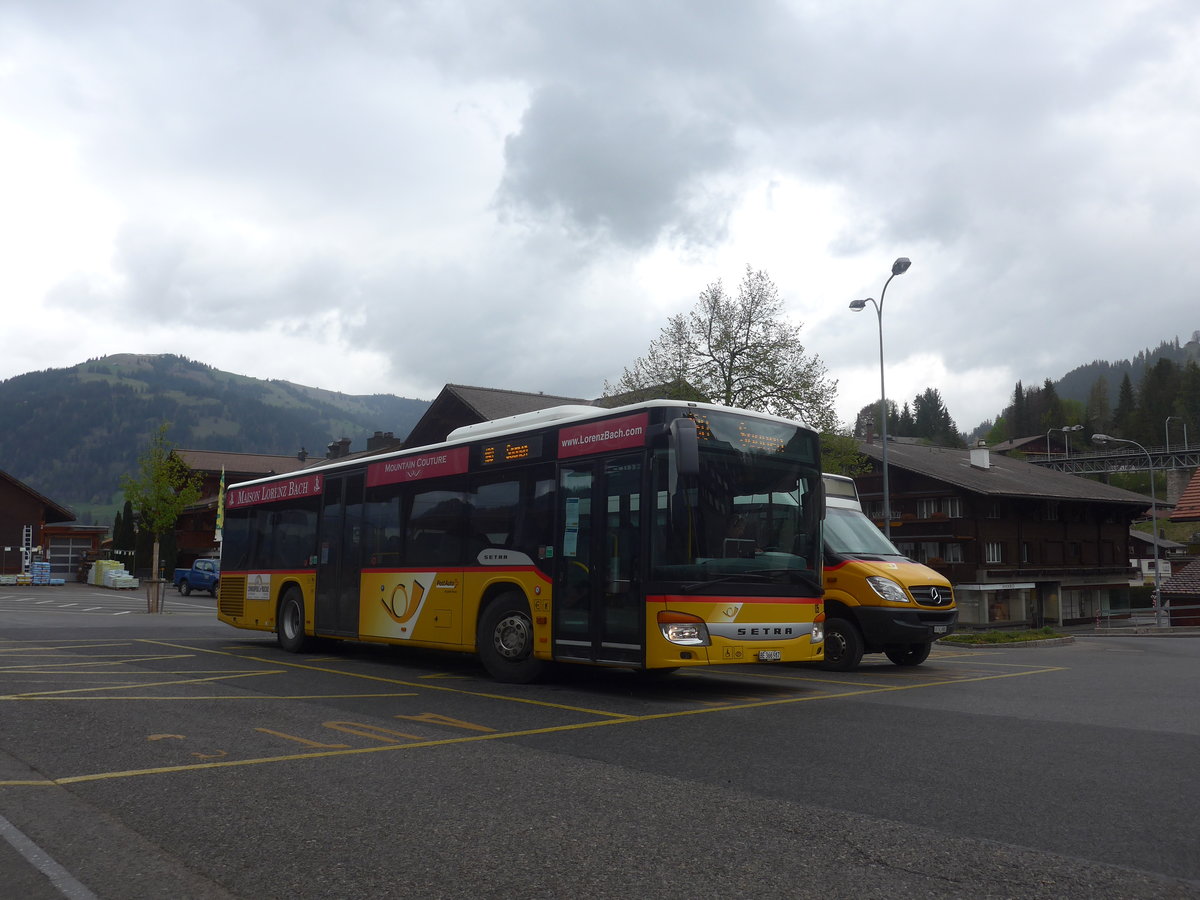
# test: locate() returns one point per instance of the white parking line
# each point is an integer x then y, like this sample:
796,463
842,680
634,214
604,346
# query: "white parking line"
66,883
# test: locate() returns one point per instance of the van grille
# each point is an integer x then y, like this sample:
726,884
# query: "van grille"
933,595
231,595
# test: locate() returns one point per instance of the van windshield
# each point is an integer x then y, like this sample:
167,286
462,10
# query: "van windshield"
850,533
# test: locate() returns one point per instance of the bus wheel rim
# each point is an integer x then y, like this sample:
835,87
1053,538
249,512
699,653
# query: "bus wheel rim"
512,637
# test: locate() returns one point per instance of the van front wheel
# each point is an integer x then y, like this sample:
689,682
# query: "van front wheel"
843,646
908,654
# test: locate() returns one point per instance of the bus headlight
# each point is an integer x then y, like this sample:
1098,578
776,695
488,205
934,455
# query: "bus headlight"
818,633
888,589
683,628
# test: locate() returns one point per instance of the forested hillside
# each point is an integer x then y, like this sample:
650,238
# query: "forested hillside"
72,433
1146,399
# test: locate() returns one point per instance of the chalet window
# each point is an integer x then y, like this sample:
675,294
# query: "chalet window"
926,508
929,550
952,507
1051,511
1026,555
994,552
908,548
992,511
953,553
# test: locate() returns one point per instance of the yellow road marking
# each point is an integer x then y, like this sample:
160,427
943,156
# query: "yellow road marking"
466,739
426,685
38,695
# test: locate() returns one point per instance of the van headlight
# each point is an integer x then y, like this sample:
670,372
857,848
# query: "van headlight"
888,589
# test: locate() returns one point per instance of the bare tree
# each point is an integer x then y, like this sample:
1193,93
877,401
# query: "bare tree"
738,351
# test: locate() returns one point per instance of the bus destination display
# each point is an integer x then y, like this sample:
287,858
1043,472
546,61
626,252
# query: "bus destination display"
511,451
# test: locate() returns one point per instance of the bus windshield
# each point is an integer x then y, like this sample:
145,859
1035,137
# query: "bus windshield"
850,533
750,517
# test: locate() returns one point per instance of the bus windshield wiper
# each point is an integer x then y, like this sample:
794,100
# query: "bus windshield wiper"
692,586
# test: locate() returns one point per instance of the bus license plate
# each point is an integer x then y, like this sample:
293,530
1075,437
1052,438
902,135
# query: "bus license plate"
770,655
939,629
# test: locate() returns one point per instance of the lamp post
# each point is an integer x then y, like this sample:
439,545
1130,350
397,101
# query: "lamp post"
1066,430
1104,439
899,267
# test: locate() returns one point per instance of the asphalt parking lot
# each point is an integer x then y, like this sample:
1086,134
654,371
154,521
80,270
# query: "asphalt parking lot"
153,755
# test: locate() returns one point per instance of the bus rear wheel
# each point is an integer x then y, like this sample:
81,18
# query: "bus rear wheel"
908,654
504,640
289,624
843,646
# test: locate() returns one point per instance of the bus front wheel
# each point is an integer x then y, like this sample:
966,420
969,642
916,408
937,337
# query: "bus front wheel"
908,654
843,646
505,641
289,624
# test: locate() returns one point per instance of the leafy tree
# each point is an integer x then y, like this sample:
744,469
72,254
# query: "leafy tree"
1156,401
1022,424
839,454
738,351
160,491
1098,411
1052,414
866,423
1124,416
1187,402
932,420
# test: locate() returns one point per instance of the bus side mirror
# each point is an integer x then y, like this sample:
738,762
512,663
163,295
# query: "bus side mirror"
685,446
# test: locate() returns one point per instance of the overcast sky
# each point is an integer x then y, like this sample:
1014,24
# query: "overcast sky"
383,197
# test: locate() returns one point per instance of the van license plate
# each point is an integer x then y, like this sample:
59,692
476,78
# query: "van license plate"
939,629
770,655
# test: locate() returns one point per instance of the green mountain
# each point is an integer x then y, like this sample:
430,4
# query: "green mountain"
71,434
1091,392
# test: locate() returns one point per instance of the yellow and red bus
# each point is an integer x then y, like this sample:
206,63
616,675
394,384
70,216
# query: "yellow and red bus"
613,537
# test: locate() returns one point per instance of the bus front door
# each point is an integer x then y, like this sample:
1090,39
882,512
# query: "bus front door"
598,609
339,545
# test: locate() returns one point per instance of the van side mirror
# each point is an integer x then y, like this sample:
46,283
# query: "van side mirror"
686,446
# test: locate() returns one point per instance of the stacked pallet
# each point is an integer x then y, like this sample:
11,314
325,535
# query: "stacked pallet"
110,574
39,573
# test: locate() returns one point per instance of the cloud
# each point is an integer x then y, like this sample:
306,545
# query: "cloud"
519,194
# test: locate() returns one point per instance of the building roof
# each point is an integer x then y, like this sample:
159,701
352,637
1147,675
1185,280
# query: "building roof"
1148,539
493,403
255,464
1004,476
460,404
52,511
1185,581
1187,508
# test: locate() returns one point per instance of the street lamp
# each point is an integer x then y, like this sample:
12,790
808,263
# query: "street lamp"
1066,430
1104,439
899,267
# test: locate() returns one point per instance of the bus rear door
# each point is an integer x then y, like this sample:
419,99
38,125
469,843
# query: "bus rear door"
339,544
